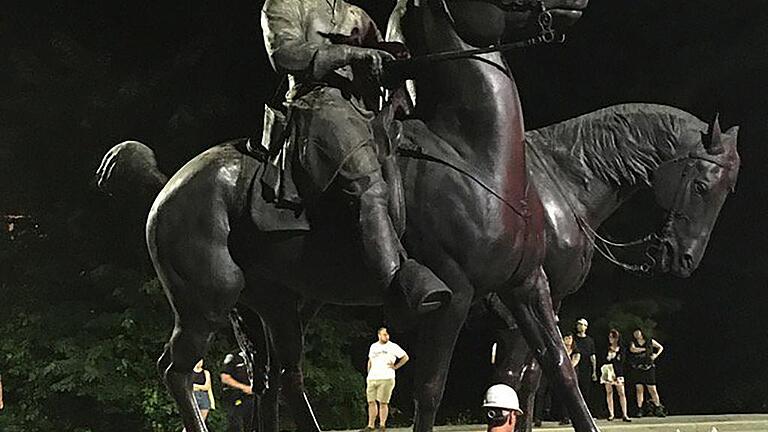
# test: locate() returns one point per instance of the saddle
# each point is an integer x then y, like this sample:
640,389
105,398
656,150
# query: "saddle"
275,202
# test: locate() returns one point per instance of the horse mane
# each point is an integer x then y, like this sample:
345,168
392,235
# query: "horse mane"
621,144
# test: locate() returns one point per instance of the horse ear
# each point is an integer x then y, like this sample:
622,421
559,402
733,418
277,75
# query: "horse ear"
733,132
713,142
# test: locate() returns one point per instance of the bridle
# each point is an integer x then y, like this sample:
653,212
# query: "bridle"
654,241
547,34
544,20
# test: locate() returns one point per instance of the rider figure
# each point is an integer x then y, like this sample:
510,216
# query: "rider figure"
333,92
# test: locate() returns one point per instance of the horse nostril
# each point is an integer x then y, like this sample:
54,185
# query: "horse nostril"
687,260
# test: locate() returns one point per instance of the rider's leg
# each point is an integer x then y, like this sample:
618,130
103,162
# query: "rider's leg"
360,177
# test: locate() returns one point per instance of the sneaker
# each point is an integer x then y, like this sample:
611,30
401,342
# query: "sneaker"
639,413
660,411
649,408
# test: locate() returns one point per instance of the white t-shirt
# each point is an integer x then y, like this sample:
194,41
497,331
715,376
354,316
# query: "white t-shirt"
381,356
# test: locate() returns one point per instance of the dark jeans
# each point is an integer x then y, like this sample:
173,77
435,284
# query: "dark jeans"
240,416
585,387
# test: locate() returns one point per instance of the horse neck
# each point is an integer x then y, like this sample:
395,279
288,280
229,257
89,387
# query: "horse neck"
591,196
472,104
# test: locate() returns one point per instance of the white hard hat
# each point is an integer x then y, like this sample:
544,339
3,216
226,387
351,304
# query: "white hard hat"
502,396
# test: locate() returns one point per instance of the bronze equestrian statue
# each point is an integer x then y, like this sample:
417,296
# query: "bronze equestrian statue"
470,214
584,169
641,137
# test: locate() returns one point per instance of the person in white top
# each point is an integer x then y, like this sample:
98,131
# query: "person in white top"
384,358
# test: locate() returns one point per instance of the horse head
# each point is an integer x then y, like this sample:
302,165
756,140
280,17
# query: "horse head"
692,188
487,22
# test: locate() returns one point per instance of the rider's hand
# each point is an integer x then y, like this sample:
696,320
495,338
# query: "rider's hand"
372,59
247,390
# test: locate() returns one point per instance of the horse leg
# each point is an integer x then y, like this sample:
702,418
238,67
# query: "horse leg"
532,306
284,323
196,319
253,339
516,367
202,283
266,416
531,378
436,340
188,344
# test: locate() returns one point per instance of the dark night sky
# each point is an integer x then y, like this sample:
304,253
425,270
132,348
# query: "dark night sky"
77,78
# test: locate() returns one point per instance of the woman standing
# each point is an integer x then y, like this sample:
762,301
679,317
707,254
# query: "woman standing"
201,388
612,375
643,354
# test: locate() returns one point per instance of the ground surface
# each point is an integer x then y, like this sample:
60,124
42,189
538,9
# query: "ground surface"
713,423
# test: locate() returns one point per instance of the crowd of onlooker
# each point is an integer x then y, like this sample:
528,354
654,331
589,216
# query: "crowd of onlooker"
620,363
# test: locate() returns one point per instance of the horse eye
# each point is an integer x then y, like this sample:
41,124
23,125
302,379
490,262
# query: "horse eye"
700,187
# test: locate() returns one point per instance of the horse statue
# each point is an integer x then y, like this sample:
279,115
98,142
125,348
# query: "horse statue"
471,213
584,169
618,150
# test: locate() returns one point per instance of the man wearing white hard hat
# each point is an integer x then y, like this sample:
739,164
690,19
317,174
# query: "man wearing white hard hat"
502,408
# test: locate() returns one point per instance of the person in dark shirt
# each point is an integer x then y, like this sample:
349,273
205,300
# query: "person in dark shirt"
587,369
201,389
238,394
642,360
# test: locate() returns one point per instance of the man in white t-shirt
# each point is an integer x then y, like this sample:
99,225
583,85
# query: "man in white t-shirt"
384,358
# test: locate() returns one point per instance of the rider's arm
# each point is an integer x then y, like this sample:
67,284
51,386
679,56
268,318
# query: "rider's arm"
635,349
289,49
369,365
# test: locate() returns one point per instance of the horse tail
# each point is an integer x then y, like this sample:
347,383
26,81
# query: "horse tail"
129,171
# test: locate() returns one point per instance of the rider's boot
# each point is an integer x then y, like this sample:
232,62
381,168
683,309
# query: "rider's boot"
423,291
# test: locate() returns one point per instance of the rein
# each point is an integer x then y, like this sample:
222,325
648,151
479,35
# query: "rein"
417,152
547,35
654,240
